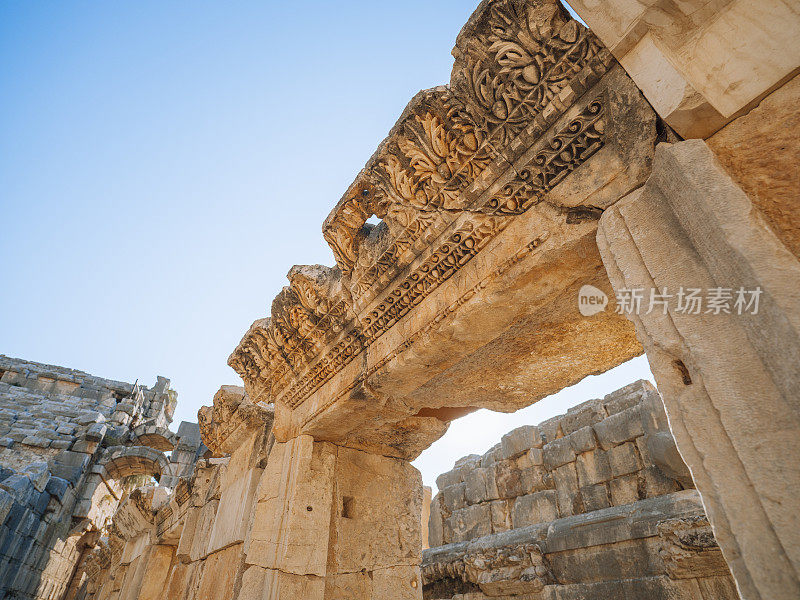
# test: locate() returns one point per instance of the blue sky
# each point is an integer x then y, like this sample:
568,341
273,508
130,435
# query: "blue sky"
164,164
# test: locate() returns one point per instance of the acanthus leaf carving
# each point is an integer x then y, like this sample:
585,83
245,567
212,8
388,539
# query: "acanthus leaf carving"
522,54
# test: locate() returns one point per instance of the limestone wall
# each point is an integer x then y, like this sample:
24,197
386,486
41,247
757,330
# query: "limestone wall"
67,441
599,454
595,503
188,544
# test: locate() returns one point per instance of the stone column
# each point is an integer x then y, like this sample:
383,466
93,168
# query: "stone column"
729,381
334,522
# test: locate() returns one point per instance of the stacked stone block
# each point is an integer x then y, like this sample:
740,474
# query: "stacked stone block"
597,455
190,544
66,441
593,504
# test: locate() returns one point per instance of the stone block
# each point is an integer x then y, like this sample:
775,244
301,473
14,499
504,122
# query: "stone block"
91,416
549,430
85,446
595,497
656,483
6,502
57,488
469,459
38,473
536,456
583,415
36,441
454,497
508,479
465,466
447,479
501,515
49,434
558,452
623,459
568,492
20,487
626,397
7,442
582,440
471,522
435,522
624,490
520,440
593,468
620,427
539,507
535,479
96,432
481,486
491,456
70,465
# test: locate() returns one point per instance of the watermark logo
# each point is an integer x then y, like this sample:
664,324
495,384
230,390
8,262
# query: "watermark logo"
686,301
591,300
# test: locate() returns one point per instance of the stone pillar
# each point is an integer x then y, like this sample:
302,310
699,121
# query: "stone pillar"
333,522
729,381
700,64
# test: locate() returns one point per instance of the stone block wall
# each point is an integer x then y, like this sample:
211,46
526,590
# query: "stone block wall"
189,544
591,505
67,441
606,452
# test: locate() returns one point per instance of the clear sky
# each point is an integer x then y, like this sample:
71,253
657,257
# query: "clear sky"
164,164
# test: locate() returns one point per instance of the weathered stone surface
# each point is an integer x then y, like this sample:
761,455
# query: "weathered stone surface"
760,152
53,500
660,548
382,351
692,226
573,475
671,51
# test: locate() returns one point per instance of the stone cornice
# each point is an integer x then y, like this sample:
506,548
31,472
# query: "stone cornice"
439,182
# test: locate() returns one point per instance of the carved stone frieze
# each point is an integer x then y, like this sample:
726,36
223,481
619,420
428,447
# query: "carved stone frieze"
563,153
514,58
231,419
499,571
533,98
688,548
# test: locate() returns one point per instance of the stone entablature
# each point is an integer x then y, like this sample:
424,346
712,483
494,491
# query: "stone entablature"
490,180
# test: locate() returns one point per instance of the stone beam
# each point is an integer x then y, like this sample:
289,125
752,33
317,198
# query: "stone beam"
465,295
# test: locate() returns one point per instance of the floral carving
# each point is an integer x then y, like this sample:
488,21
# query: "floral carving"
527,52
443,159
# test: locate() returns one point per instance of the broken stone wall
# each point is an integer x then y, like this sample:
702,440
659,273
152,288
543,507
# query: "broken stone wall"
595,503
68,441
190,544
599,454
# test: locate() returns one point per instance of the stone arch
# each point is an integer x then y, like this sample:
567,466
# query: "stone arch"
124,461
151,435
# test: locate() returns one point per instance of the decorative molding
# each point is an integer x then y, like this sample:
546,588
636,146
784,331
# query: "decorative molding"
520,66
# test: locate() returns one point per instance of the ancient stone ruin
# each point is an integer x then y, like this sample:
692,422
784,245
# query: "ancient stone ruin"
596,503
572,198
70,444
